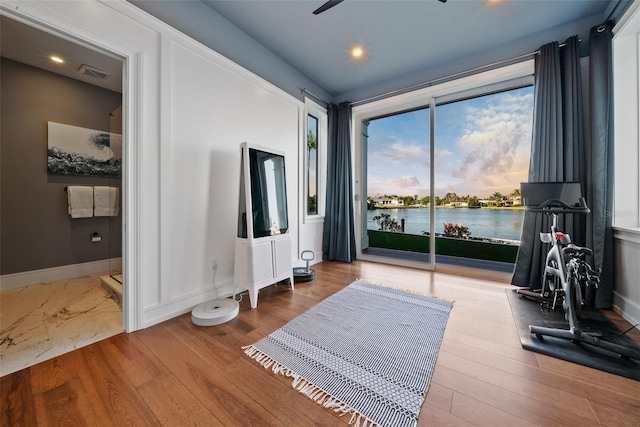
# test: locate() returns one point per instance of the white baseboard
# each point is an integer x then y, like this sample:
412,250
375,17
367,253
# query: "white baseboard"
26,278
157,314
629,310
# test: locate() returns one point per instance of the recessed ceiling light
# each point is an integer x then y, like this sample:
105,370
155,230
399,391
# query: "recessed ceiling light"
57,59
357,52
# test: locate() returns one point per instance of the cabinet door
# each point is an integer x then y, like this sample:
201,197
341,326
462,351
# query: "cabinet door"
260,262
282,257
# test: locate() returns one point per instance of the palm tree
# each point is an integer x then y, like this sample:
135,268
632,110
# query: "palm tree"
497,196
450,197
312,141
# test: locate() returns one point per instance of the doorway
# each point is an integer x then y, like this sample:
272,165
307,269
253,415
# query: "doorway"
55,261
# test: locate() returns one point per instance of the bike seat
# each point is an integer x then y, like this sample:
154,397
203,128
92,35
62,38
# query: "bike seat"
572,249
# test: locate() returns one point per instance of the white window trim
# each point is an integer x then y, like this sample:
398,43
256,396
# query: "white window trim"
626,87
320,113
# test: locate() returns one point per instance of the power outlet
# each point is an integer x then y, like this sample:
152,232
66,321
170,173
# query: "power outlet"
214,264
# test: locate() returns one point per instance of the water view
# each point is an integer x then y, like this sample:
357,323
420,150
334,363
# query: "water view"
485,222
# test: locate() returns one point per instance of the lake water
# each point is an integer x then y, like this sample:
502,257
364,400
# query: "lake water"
496,223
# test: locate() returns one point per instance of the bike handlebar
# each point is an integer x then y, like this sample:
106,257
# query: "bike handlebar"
559,206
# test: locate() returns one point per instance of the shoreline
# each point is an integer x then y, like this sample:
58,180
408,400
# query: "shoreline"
513,208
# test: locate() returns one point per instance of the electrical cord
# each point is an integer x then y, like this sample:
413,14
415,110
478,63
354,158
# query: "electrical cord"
235,287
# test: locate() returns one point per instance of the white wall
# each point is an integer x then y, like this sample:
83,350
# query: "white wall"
187,109
626,69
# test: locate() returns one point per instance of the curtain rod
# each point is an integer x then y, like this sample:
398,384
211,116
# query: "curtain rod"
429,83
613,10
317,98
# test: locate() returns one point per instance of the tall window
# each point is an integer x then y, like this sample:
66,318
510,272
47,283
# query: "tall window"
441,169
312,165
313,155
482,148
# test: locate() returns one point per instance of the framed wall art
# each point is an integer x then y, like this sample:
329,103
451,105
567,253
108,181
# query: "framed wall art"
74,150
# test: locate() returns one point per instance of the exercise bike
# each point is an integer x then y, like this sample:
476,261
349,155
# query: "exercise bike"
568,279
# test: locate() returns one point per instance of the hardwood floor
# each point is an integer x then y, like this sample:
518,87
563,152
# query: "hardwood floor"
177,374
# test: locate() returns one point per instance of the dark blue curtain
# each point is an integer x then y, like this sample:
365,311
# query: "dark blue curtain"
338,240
557,150
560,152
600,161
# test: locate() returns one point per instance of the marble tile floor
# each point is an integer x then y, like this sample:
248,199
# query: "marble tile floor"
42,321
112,284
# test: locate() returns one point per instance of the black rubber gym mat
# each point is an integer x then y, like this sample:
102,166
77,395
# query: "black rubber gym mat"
529,312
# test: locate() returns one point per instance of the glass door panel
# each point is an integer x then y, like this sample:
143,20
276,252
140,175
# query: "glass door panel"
115,239
396,150
482,147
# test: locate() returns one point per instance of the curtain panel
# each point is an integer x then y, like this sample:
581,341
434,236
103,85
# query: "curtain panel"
338,239
600,161
557,150
560,151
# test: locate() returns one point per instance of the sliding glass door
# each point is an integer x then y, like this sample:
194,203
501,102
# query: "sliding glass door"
449,167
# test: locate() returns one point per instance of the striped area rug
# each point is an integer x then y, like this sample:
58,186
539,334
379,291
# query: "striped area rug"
367,352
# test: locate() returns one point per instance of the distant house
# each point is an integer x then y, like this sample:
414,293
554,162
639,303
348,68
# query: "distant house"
388,202
488,202
458,204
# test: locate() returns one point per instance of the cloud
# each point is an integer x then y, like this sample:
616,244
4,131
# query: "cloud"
493,150
397,152
404,181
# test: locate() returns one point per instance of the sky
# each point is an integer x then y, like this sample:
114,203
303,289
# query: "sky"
482,146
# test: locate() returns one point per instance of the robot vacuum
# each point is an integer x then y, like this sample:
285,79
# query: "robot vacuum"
215,312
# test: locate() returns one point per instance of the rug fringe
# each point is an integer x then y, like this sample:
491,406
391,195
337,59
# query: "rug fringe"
308,389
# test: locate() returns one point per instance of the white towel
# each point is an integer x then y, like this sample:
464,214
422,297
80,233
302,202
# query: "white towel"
80,200
106,201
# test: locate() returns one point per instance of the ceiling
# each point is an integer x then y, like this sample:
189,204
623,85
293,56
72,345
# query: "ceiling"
398,37
34,47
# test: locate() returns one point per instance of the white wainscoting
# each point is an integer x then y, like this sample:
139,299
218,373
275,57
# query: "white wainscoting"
186,111
27,278
626,295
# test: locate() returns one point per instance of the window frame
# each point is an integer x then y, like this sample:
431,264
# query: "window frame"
626,95
495,80
311,108
308,158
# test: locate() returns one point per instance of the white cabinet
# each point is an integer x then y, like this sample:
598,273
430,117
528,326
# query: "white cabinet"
263,245
261,264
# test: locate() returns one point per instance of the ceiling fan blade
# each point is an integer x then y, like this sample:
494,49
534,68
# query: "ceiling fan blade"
328,5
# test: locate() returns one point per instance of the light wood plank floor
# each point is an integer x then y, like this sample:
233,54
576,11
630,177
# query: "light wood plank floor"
177,374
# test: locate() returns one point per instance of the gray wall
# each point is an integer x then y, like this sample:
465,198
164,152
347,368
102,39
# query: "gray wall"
36,230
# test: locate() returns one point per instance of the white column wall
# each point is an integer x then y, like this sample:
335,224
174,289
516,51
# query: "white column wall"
626,84
186,111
